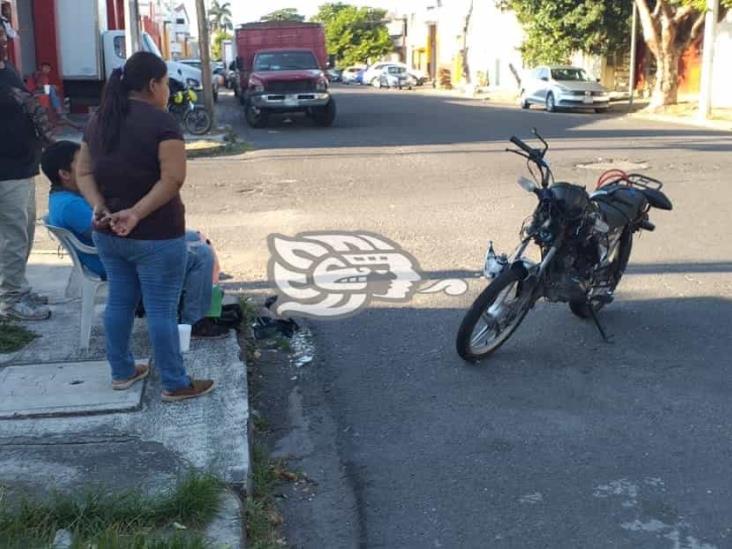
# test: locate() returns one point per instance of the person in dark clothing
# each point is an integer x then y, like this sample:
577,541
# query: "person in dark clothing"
24,129
130,169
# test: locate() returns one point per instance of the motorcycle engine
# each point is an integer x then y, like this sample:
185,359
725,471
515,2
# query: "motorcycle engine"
572,275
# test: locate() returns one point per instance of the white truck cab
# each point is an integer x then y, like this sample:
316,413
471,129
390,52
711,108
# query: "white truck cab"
89,52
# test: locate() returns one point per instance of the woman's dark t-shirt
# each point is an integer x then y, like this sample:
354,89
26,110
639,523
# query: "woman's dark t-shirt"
127,174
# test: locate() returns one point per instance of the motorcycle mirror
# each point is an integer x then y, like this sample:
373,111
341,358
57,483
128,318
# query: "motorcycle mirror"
527,184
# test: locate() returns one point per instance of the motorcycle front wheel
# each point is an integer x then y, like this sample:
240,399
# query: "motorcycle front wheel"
493,317
198,121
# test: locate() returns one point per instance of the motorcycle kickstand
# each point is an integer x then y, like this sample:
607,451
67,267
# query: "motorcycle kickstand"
596,320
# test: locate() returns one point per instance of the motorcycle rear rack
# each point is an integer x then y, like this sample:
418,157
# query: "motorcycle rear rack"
619,177
643,182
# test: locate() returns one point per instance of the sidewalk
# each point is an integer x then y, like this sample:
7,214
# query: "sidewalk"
63,428
688,114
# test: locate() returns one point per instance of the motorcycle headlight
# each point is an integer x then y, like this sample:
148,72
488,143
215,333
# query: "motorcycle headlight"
322,85
192,83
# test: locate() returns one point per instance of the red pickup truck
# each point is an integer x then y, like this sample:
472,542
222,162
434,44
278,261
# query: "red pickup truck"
281,70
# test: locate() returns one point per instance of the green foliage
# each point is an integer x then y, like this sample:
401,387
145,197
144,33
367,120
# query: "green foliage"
218,37
354,35
556,28
701,5
286,14
14,337
99,518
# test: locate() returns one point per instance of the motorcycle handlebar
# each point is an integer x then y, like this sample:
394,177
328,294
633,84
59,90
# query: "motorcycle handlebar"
523,146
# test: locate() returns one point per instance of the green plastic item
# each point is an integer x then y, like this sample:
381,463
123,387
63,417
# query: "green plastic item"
217,297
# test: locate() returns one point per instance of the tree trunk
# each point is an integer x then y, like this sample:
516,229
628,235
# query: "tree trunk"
666,89
466,30
205,47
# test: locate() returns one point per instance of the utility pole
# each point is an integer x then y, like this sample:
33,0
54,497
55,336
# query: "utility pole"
633,52
710,36
204,46
132,27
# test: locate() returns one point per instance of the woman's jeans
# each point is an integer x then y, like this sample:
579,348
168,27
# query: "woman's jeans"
153,269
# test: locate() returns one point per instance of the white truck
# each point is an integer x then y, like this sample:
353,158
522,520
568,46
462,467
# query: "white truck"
89,52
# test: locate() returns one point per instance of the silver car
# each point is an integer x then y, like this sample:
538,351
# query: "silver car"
563,88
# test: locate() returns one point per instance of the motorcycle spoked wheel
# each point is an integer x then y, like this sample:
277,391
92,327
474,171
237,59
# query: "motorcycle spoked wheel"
582,308
493,317
198,121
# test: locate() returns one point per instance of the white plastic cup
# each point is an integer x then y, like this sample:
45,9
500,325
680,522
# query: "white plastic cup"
47,89
184,336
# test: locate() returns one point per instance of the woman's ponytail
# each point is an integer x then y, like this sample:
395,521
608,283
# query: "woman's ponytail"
112,111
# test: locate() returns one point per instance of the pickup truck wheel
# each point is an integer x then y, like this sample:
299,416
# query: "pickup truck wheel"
256,118
324,116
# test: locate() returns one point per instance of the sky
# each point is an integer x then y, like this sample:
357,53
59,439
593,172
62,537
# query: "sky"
245,11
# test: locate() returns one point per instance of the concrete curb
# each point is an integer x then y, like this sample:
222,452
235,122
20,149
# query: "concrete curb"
227,529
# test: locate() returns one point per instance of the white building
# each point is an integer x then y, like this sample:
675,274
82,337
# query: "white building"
438,31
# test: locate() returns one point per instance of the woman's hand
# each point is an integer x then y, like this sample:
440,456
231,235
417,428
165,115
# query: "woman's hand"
124,222
101,218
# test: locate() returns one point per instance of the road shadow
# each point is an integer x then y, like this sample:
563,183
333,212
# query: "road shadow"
370,118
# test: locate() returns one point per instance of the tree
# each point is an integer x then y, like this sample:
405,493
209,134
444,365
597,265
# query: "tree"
286,14
464,52
219,16
669,28
557,28
354,35
219,37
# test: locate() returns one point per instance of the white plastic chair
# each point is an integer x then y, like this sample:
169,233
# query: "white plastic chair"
89,282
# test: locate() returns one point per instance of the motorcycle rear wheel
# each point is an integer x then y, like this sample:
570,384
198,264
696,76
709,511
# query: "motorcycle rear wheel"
582,308
493,317
198,121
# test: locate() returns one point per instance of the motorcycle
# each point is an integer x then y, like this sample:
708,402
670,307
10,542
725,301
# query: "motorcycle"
583,241
194,118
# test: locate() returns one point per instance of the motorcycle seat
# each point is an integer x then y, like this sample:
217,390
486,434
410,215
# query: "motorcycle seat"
620,205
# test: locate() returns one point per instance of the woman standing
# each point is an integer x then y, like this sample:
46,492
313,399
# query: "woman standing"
131,167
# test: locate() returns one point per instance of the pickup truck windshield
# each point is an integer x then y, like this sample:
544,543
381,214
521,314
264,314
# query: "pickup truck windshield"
285,61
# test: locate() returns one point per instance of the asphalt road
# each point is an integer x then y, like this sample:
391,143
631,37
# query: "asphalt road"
560,440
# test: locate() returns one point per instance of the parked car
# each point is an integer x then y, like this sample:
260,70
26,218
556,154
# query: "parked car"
563,87
215,81
334,75
351,75
394,76
374,71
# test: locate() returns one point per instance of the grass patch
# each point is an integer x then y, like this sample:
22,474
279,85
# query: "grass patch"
127,520
249,311
262,517
14,337
212,149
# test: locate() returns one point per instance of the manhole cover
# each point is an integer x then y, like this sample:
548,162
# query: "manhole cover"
603,164
62,389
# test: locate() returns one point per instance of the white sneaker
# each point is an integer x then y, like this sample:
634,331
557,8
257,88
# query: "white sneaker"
25,309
